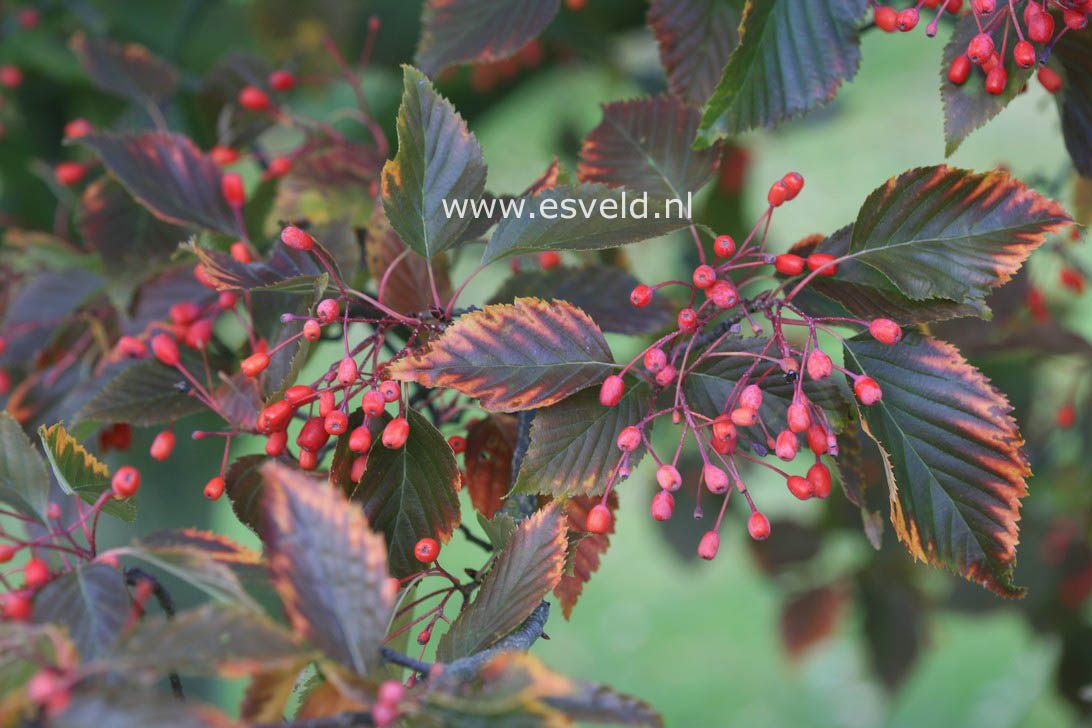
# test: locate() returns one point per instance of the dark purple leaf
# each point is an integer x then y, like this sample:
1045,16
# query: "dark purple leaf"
696,38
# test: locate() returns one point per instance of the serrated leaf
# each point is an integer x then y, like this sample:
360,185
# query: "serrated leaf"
792,57
968,105
268,693
954,464
408,493
213,638
527,568
169,175
44,296
79,472
243,483
490,443
407,289
513,356
438,159
145,393
285,269
644,144
696,39
204,569
130,70
24,481
574,443
602,291
582,217
1073,55
478,31
91,601
584,555
938,232
328,567
499,528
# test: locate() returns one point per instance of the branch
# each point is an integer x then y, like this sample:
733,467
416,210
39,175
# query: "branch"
519,640
476,540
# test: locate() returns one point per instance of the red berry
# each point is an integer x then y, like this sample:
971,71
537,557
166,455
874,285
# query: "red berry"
275,417
786,446
7,552
709,545
980,48
610,393
390,390
867,391
789,264
688,320
35,574
10,76
298,394
360,464
599,519
744,417
293,237
960,69
276,443
704,276
328,309
312,330
663,505
1067,416
798,418
214,488
723,294
308,459
751,397
629,439
125,482
716,480
885,331
668,477
313,434
131,346
253,98
819,477
254,364
69,173
1041,27
778,194
819,365
907,19
817,439
457,443
347,371
28,18
162,445
800,487
1072,280
224,156
666,376
278,167
240,251
724,428
53,511
996,80
992,62
641,296
724,246
281,80
231,187
823,263
373,403
985,6
17,607
758,526
886,17
198,334
794,182
549,259
165,349
383,714
1050,79
655,360
390,692
326,403
360,439
395,433
78,128
336,423
1074,19
1024,54
426,550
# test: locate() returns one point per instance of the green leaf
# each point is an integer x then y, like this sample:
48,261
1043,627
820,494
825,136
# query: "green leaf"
696,39
527,568
438,159
408,493
329,568
938,232
79,472
169,175
130,71
955,469
582,217
792,57
528,354
1073,57
91,601
969,106
210,639
478,31
144,393
644,144
24,481
574,442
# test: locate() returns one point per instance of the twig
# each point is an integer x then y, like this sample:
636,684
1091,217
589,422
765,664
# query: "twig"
521,639
477,540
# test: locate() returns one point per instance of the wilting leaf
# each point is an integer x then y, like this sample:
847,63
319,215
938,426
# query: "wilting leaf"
574,443
1073,54
602,291
792,57
644,144
79,472
582,217
407,289
478,31
129,70
585,553
969,106
410,493
528,354
284,269
209,639
268,693
490,443
145,393
810,616
954,464
24,482
938,232
527,568
438,159
329,568
696,38
91,601
169,175
125,705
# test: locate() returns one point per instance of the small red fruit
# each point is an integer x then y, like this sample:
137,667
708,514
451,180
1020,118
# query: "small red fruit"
786,446
240,251
800,487
778,194
255,364
744,417
347,371
716,480
373,403
308,459
724,428
758,526
275,417
253,98
1074,19
794,182
688,320
426,550
1040,27
457,443
819,365
724,294
126,482
885,331
162,445
724,246
312,330
35,574
298,394
276,443
69,173
130,346
704,276
165,349
1071,279
666,376
1049,78
278,167
886,17
817,439
549,259
668,477
395,433
336,423
996,80
610,393
390,692
709,545
224,156
663,505
293,237
313,434
10,76
328,309
214,488
980,48
819,477
798,418
360,439
960,69
7,552
360,464
29,18
1024,54
655,360
823,263
1067,416
78,128
17,607
907,19
867,391
641,296
629,439
281,80
751,397
599,519
789,264
231,187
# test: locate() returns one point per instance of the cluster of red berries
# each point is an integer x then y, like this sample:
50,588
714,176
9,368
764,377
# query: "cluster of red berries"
701,331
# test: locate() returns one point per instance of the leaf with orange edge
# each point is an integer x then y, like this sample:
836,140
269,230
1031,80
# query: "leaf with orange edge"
79,472
268,693
130,70
585,553
955,468
216,546
329,567
284,269
490,443
696,39
401,271
527,568
528,354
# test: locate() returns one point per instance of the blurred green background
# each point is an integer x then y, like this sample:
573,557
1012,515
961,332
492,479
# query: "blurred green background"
700,641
